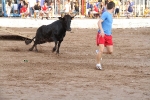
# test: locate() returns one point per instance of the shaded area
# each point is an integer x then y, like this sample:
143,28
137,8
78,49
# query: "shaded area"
12,37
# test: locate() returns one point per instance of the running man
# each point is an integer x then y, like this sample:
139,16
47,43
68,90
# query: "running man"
104,36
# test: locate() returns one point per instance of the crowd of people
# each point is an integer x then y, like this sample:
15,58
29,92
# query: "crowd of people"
96,9
34,8
28,8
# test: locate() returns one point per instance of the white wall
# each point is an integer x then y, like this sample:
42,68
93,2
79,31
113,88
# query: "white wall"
76,23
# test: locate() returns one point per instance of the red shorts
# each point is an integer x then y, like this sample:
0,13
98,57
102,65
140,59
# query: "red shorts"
106,40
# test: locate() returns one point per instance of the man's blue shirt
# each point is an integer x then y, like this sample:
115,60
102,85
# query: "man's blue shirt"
107,22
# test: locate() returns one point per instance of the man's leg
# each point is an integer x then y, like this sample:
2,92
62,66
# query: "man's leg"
99,56
47,15
31,11
35,13
109,49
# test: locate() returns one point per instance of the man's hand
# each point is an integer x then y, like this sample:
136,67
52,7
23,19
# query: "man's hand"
102,33
100,27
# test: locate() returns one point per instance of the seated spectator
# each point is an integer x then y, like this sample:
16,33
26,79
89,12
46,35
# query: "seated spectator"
45,11
76,8
146,12
51,10
103,7
24,12
90,9
95,11
21,4
8,8
117,5
129,9
67,8
37,9
15,7
31,4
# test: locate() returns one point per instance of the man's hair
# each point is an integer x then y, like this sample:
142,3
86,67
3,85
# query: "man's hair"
110,5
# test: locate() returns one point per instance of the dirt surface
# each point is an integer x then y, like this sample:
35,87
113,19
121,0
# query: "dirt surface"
43,75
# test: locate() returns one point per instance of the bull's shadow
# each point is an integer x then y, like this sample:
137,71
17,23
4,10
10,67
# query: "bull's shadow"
54,32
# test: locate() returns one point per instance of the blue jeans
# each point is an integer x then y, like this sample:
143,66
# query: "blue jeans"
31,11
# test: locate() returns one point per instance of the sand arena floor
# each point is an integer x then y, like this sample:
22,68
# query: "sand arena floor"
72,75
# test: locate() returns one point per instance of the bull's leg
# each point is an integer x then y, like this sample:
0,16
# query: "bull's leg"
34,45
58,47
55,40
36,48
54,49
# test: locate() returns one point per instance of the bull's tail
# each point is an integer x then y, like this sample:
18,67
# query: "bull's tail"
27,41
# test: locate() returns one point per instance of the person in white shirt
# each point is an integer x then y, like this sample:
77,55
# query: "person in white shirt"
15,5
51,9
67,8
31,6
8,8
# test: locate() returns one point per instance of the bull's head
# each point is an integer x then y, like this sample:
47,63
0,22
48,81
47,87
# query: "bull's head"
67,21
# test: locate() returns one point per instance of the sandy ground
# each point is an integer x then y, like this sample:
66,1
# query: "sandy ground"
72,75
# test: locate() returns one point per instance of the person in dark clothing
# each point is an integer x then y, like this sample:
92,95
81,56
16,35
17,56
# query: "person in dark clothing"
76,7
129,9
20,6
37,9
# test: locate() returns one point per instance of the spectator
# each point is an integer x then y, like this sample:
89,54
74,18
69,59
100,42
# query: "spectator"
67,8
21,4
76,8
51,10
146,12
37,9
129,9
8,8
71,4
95,11
15,7
90,10
31,6
24,12
117,5
45,11
103,7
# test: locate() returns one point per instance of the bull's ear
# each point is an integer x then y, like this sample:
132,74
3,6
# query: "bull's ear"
60,18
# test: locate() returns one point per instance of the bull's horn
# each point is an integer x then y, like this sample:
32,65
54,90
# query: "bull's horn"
73,15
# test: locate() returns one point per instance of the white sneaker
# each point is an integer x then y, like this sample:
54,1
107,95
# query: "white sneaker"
98,66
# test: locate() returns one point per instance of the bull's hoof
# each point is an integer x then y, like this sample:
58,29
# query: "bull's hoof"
36,50
57,53
54,49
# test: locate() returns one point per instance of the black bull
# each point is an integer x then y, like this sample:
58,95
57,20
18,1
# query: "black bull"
54,32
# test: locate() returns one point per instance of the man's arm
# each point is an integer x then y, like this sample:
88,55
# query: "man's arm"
100,27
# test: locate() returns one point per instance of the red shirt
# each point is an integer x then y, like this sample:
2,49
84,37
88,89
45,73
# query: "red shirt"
44,8
95,9
23,10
